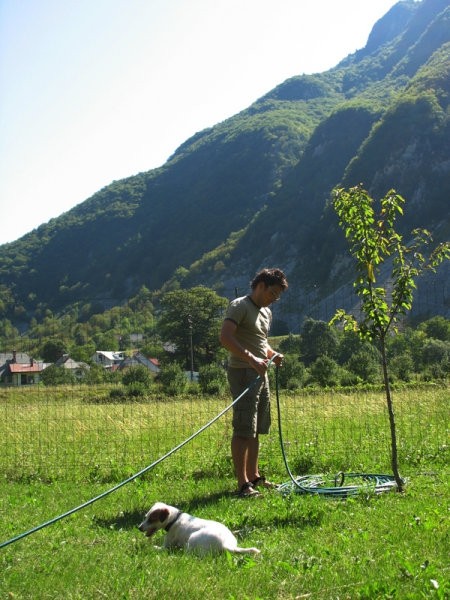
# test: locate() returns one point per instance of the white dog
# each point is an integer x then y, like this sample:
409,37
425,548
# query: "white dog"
185,531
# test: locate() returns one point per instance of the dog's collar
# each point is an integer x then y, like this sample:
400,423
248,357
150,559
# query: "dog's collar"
169,525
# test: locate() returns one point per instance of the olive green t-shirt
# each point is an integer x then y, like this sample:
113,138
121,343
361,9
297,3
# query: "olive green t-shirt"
253,325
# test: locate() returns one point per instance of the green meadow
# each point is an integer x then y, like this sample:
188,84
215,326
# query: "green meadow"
61,447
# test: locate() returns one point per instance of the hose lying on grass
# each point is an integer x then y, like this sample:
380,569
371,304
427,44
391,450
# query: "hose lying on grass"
320,484
363,483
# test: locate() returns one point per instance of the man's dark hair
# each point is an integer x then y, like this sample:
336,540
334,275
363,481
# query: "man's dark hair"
270,277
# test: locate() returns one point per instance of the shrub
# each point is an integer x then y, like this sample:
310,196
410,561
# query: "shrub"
437,327
290,345
117,393
96,374
136,389
173,379
292,374
402,366
437,370
212,379
137,374
54,375
193,388
317,339
349,344
325,371
292,385
435,351
364,364
349,378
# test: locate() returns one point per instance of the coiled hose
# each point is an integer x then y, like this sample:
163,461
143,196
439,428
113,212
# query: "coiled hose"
320,484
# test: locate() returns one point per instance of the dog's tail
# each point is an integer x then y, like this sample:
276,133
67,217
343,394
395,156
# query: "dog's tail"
238,550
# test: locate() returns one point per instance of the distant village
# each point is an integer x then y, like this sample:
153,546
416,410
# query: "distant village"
18,368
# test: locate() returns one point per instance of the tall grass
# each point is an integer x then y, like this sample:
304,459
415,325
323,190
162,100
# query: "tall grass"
77,433
61,447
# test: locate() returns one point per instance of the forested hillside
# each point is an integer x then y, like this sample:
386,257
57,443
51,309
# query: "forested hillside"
254,190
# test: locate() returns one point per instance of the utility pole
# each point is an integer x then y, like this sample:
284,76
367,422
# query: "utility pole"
189,320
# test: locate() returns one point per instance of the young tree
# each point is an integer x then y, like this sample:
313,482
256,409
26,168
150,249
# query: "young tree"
373,242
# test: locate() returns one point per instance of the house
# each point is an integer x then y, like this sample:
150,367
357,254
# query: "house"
17,368
77,368
152,364
108,359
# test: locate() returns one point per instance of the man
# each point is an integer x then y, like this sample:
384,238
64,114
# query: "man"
244,334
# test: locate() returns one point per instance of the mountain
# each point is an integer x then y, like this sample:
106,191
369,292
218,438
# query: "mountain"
254,190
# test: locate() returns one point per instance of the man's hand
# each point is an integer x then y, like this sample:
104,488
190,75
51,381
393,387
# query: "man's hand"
278,360
276,357
259,364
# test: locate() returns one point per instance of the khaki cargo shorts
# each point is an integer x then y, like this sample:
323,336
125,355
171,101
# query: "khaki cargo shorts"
251,413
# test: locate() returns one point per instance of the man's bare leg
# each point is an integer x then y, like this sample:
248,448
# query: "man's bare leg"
245,452
252,459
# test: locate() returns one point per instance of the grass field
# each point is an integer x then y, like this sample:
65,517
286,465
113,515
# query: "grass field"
60,448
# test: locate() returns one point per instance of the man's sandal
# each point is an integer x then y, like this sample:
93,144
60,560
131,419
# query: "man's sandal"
246,490
262,482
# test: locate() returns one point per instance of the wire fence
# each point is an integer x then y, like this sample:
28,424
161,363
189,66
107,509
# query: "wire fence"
432,297
76,433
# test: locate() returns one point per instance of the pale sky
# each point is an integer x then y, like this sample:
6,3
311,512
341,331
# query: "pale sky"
92,91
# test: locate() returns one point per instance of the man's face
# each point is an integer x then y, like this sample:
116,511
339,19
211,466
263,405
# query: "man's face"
268,294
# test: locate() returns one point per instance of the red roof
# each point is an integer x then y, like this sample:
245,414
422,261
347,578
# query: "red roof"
18,368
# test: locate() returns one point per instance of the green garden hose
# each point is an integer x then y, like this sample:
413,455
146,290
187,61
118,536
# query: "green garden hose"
320,484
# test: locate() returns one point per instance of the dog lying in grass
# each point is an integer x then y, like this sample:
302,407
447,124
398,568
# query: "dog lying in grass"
201,536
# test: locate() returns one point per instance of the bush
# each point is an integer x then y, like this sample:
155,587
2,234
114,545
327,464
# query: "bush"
292,385
117,393
292,374
137,374
325,371
402,366
137,389
435,352
173,379
365,365
290,345
437,328
96,374
212,379
439,370
348,378
54,375
349,344
317,339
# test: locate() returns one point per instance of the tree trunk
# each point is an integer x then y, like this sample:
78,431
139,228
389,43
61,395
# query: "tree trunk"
394,458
